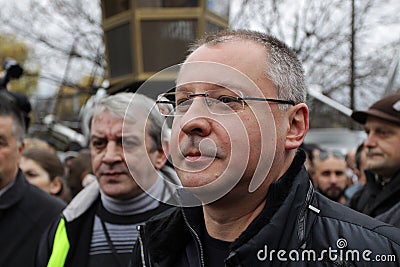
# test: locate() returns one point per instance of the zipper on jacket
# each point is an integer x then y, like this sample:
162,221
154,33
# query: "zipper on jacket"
142,253
302,216
196,237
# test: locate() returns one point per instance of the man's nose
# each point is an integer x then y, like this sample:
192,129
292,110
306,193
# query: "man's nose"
333,178
197,119
370,141
113,153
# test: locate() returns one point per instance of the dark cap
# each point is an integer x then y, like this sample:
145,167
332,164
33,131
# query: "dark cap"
387,108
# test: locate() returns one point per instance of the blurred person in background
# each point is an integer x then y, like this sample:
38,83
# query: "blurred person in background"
100,223
30,142
361,164
312,151
80,172
360,158
25,210
330,175
67,158
350,158
45,170
382,147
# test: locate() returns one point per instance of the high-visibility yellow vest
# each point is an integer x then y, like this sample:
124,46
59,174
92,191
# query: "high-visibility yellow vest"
60,246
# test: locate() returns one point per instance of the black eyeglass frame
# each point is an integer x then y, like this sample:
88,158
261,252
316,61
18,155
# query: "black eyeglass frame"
160,99
276,100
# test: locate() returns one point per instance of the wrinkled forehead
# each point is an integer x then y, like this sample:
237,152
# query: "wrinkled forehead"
212,73
132,119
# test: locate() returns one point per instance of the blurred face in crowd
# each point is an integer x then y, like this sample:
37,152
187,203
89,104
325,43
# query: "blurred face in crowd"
330,177
10,150
360,171
110,159
206,146
39,177
382,147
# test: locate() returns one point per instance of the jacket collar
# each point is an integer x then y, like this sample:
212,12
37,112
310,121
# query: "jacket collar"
15,192
287,227
380,193
278,192
82,202
282,220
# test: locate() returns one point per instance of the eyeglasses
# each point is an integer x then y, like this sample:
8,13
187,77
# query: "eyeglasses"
220,102
324,154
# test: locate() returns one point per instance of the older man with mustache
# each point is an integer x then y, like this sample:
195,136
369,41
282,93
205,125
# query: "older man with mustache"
382,125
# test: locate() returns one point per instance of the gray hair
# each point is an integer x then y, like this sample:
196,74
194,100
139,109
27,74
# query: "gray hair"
8,107
283,68
119,103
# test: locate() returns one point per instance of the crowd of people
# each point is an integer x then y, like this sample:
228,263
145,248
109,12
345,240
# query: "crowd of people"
230,182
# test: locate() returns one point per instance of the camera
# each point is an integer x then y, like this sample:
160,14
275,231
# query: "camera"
12,70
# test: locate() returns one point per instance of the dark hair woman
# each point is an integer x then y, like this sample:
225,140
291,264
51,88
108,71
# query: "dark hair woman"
45,170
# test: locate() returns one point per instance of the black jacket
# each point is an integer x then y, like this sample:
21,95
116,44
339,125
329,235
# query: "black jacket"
302,225
391,216
25,212
373,198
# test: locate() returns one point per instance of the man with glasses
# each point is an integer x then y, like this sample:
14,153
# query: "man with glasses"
330,175
382,125
238,118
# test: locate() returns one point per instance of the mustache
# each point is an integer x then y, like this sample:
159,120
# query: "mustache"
334,187
112,169
371,153
197,146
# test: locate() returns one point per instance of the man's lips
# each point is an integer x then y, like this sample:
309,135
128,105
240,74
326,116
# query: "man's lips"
111,175
198,156
373,154
193,158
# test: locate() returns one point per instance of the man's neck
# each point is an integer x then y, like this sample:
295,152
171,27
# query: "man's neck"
227,218
7,182
227,222
142,202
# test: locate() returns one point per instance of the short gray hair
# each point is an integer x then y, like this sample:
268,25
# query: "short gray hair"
119,103
283,68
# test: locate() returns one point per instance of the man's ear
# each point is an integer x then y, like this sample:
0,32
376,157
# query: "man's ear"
161,156
21,149
298,126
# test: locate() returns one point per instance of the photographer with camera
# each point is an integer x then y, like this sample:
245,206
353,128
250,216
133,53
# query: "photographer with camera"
12,70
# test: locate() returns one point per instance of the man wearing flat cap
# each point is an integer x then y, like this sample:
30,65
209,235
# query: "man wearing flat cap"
382,126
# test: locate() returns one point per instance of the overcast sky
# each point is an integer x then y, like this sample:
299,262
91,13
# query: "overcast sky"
381,32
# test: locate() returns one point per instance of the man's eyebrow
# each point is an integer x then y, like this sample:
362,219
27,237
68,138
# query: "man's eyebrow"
223,85
228,85
130,136
96,136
